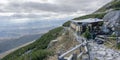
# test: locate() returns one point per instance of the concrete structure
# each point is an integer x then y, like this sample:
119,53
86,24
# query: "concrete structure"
81,25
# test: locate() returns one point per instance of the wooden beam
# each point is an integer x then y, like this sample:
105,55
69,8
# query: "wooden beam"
72,49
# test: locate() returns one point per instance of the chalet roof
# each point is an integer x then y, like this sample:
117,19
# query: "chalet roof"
90,20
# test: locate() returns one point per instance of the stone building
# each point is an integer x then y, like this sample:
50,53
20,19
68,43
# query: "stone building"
82,25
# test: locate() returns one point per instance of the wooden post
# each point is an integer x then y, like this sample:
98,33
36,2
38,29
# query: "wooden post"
116,38
80,51
88,53
74,56
60,58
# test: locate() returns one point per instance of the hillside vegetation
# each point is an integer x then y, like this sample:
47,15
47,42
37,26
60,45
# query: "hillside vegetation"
36,50
100,16
114,5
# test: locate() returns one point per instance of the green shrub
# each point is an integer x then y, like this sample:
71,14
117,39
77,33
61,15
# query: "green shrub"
87,34
100,16
36,55
67,24
100,23
113,37
118,45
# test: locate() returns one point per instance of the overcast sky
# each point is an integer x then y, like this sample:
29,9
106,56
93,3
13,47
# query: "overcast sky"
47,9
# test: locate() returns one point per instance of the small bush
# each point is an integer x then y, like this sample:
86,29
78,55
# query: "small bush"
118,45
87,34
113,37
67,24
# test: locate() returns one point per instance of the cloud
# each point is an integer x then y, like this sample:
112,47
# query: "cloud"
52,8
58,6
38,7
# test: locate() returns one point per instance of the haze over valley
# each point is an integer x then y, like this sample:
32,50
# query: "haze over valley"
14,34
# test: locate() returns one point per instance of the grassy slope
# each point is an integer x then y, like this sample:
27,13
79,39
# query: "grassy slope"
36,50
115,5
100,16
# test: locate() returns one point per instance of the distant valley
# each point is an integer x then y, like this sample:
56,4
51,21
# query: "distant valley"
13,35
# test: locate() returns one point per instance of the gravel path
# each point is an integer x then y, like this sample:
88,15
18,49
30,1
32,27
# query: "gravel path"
101,52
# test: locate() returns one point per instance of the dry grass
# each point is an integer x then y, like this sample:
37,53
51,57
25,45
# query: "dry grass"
112,46
64,43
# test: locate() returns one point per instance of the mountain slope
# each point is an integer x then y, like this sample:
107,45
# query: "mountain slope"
114,5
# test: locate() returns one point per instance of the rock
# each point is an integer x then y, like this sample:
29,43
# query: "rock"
103,49
112,20
109,55
116,54
100,58
110,51
109,58
118,58
101,53
95,48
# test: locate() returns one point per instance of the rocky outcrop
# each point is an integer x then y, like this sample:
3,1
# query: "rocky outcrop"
112,20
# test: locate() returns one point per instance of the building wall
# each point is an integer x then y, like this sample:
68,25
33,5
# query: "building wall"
76,27
73,26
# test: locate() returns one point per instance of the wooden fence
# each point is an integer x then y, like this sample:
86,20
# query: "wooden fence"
75,56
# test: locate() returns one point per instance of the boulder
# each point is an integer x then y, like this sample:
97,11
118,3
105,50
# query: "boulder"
102,53
112,20
109,58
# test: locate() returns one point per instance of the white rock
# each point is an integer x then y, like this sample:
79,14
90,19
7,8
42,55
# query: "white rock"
109,58
101,52
100,58
109,55
102,49
118,58
95,48
110,51
116,54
